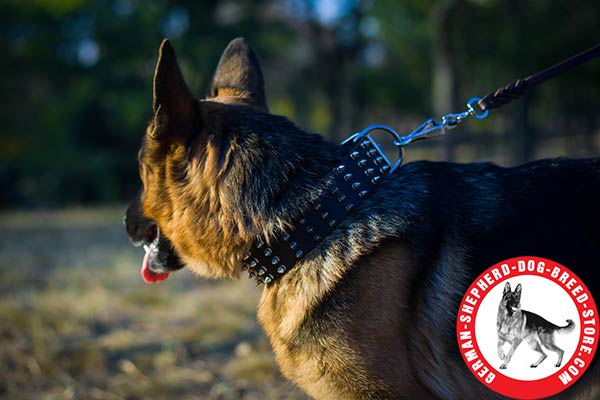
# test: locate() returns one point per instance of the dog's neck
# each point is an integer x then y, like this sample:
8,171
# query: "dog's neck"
507,310
260,173
340,192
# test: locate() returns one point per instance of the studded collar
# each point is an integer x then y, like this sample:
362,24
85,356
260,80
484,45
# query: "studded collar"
349,183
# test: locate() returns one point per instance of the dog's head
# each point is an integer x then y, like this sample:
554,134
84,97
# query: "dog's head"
511,300
213,170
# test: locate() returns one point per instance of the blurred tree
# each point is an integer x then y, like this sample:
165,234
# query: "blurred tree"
444,95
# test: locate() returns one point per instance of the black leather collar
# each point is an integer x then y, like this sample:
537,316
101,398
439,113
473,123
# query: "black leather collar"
350,182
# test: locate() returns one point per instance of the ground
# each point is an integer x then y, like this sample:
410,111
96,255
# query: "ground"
78,322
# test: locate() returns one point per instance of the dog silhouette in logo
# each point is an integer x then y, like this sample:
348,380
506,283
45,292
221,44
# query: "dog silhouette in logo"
515,325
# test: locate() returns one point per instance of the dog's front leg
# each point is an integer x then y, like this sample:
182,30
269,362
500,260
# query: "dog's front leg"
513,347
501,342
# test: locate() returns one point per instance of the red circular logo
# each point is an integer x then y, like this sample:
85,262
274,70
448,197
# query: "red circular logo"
527,328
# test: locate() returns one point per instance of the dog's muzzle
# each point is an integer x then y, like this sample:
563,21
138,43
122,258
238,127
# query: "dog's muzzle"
160,258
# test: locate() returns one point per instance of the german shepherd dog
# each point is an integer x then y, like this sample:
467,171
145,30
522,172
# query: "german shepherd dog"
370,313
515,325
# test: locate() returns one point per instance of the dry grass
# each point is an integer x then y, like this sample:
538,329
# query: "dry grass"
77,322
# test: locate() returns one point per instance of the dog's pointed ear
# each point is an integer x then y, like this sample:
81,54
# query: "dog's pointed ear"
239,74
518,292
172,102
506,288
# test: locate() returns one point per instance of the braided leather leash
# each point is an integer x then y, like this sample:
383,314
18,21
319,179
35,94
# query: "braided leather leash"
508,93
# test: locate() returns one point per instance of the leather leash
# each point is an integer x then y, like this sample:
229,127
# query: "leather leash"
508,93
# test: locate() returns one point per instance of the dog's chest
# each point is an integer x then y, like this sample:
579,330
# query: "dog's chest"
511,326
310,352
308,372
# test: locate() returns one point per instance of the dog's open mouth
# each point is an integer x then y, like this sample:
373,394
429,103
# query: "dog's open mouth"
152,270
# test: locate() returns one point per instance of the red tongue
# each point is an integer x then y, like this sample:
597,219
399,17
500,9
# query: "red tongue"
149,275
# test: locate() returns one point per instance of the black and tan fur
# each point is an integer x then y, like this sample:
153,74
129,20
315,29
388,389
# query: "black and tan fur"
516,325
370,313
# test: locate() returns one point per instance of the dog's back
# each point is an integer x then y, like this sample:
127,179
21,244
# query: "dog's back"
538,324
548,208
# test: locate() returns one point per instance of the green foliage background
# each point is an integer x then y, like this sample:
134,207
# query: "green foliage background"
76,78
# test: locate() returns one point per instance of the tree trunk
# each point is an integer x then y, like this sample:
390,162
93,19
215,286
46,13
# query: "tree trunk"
524,131
444,95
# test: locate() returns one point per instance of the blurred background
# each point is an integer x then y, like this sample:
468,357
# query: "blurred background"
76,321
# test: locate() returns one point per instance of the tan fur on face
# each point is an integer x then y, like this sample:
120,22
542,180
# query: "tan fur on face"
181,194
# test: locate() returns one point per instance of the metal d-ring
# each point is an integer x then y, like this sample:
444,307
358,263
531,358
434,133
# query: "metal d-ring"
473,112
428,129
359,135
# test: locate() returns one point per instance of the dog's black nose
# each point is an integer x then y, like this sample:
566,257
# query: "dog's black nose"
140,229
